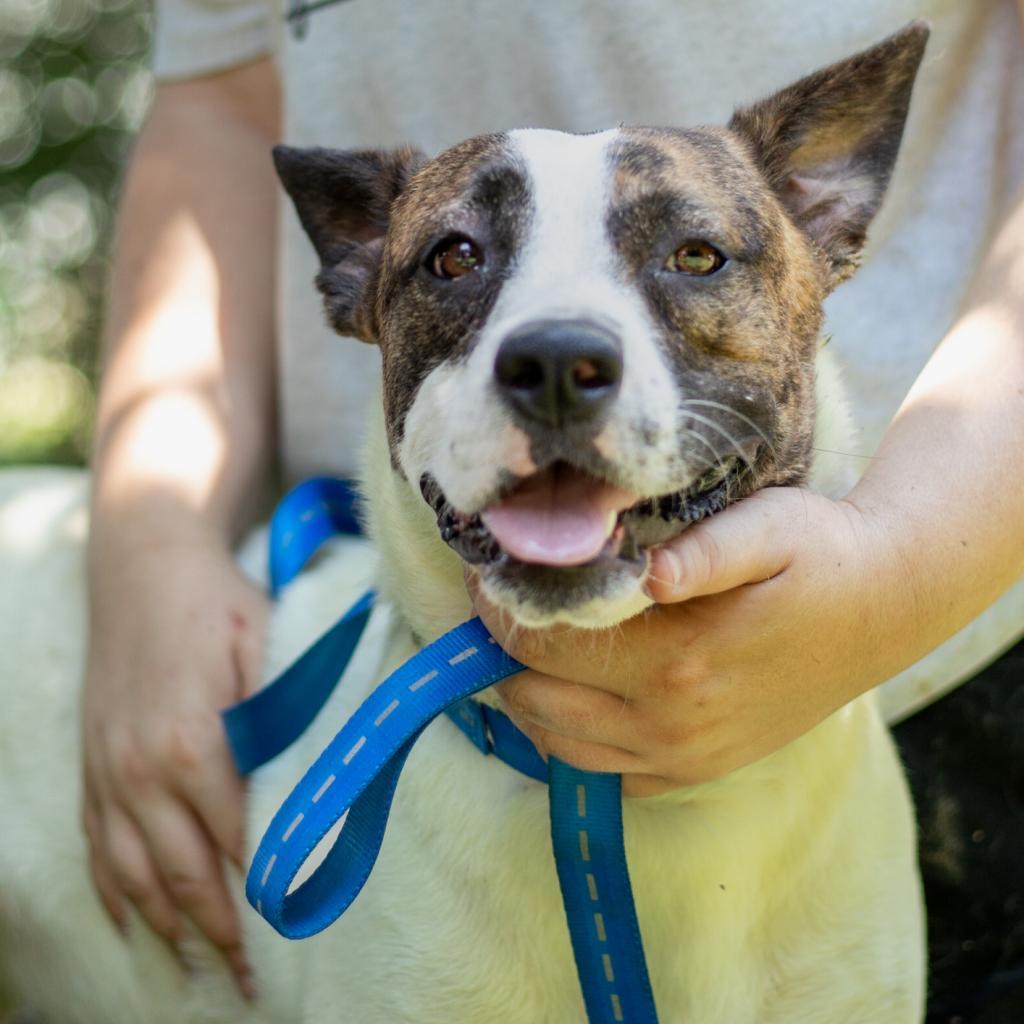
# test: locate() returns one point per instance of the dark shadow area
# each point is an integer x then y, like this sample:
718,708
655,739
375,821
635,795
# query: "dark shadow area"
965,759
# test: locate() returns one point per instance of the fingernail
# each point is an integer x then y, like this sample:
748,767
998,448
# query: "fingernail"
242,971
666,570
674,567
247,986
186,968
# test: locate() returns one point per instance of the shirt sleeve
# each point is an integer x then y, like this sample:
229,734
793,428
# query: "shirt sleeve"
197,37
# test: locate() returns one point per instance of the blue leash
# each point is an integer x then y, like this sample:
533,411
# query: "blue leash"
359,770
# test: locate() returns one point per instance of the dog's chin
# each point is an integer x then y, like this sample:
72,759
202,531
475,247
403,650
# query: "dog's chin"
592,596
540,588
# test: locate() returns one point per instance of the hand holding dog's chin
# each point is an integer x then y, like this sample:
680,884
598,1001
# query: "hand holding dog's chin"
768,618
175,636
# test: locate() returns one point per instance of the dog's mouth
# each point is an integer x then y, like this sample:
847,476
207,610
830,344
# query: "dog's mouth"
563,518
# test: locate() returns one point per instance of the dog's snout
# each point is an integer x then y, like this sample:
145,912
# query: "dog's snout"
559,372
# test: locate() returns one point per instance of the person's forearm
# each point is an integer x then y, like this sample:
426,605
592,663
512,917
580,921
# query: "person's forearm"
946,487
185,426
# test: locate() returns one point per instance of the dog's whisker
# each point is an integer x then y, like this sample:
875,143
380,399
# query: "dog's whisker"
720,467
849,455
709,403
710,464
729,409
707,421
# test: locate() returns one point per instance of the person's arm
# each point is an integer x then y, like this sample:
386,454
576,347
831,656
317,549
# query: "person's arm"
788,605
185,425
185,439
944,486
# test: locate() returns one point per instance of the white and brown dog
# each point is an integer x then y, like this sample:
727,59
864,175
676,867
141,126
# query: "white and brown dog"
589,342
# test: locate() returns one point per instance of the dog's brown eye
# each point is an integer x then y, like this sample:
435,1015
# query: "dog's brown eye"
695,258
455,257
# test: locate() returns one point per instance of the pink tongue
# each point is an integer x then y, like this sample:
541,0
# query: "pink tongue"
558,517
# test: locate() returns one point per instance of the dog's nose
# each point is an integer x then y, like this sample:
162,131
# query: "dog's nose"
559,372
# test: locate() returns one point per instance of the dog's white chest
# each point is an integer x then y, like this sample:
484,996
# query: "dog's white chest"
462,918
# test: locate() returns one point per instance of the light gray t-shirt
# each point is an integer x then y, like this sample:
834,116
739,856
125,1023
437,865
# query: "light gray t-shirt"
361,73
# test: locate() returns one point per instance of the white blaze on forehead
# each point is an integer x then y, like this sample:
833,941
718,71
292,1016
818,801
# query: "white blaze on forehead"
566,264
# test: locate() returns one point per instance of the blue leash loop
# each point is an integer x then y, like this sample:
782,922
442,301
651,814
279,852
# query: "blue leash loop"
359,770
309,514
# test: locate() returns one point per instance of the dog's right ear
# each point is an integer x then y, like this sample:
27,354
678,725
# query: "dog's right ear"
827,144
343,199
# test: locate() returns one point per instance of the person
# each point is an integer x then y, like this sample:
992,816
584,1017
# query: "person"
771,615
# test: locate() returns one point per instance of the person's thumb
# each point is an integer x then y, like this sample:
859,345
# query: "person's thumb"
747,543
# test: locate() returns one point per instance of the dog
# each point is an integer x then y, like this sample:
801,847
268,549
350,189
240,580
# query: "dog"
589,342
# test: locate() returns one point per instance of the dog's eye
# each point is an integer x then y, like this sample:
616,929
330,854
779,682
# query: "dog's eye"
695,257
455,257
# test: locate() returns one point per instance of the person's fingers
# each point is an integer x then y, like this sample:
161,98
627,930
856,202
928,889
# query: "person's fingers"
747,543
572,710
661,742
99,867
218,799
637,784
590,757
128,862
637,780
197,764
193,875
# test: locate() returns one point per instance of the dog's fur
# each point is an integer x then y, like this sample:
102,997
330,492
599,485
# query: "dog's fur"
785,892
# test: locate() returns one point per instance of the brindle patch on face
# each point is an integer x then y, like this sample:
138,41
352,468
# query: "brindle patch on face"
479,190
742,341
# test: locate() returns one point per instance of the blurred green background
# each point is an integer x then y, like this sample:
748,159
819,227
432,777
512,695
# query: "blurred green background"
74,88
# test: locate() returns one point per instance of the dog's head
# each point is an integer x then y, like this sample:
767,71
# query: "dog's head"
590,342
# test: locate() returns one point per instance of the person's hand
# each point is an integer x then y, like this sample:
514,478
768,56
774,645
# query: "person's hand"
771,616
176,635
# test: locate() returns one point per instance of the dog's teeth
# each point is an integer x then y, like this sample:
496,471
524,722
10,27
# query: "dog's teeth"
670,506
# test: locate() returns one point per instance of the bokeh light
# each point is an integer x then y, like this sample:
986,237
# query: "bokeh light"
74,88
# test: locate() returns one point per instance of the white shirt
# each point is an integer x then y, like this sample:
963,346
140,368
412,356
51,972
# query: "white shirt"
431,72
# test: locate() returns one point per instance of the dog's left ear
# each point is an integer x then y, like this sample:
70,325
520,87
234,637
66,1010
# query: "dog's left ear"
344,199
827,144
